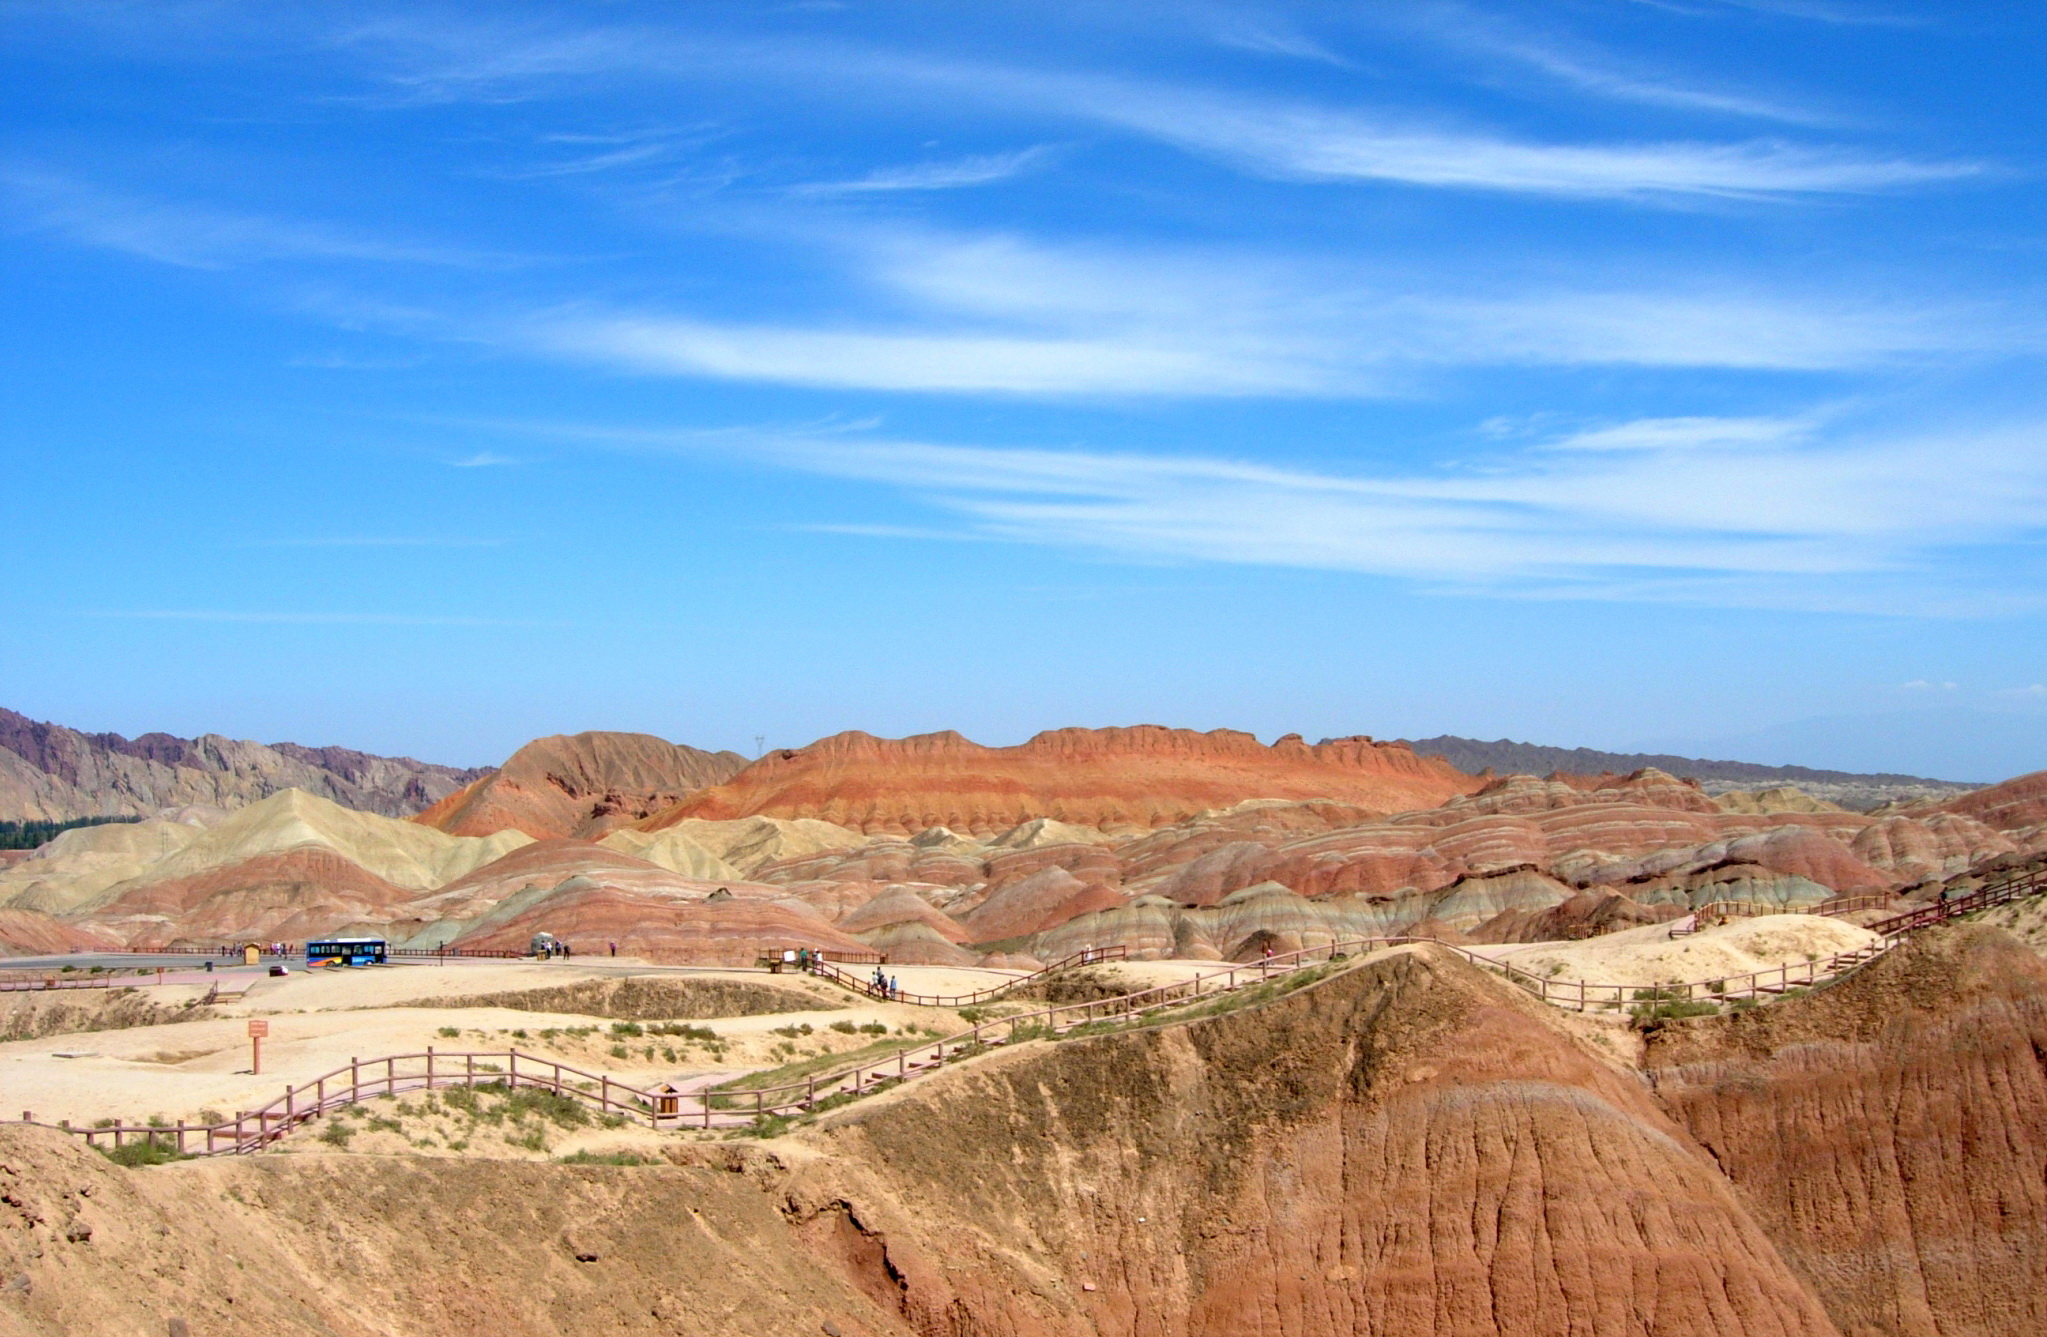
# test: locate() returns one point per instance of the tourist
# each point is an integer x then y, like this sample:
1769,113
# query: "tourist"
614,949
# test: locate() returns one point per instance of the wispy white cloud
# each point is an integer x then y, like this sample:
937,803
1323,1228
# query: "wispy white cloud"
1848,521
1585,67
1316,144
1843,12
946,362
195,236
482,459
1268,38
1288,140
1795,518
1689,434
975,170
1001,314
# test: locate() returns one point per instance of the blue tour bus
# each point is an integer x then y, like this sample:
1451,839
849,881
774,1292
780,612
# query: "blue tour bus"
346,952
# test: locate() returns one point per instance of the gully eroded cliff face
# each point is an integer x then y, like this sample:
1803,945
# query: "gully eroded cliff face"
1411,1147
1890,1133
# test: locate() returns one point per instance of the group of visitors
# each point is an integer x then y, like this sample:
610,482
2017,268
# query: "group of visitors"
268,949
883,985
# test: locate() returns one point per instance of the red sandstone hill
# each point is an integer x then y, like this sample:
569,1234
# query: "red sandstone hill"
2017,803
580,785
1122,778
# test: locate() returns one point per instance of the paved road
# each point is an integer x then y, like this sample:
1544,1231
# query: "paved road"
127,961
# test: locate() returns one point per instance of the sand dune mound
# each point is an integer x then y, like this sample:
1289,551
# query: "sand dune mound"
580,784
1130,779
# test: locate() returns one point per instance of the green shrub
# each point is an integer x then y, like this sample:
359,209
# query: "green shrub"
559,1109
336,1133
769,1125
793,1031
149,1151
847,1027
628,1029
1650,1015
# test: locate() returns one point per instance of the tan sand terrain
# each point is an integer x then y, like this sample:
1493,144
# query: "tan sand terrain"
319,1022
1649,955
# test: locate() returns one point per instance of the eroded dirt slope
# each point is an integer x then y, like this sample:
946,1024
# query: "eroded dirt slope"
1890,1133
1408,1148
348,1246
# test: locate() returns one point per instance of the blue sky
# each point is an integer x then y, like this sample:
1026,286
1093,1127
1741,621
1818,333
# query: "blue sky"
1606,372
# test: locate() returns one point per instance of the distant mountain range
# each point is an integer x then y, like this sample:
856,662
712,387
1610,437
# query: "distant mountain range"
1849,788
53,774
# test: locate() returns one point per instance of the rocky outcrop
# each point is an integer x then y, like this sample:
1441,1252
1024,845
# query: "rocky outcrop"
580,785
1130,779
51,773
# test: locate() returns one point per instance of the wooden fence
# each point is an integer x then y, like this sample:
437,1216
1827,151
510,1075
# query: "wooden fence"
1087,956
734,1106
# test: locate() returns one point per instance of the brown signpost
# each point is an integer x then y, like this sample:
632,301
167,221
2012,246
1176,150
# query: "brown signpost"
258,1028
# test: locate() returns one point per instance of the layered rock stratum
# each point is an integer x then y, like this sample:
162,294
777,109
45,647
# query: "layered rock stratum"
581,784
935,850
1128,779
